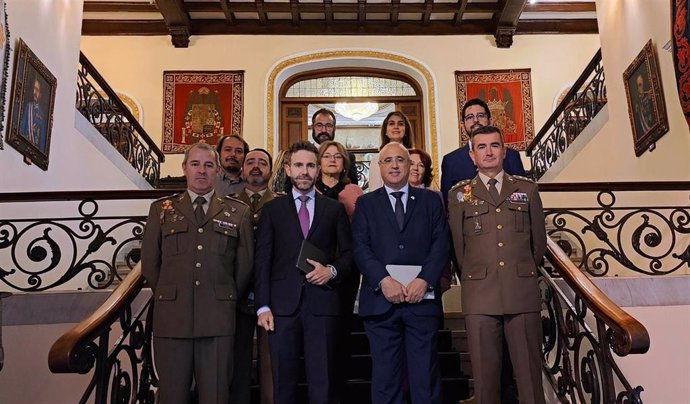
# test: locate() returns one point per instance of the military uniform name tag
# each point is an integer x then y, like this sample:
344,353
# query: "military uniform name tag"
224,225
518,197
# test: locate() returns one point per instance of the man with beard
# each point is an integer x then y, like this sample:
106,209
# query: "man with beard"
457,165
301,310
232,150
323,129
256,173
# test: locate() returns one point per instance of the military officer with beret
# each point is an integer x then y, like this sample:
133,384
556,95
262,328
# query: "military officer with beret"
197,256
497,223
256,172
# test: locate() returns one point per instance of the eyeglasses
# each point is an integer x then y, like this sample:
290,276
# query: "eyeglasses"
320,126
477,116
336,156
389,160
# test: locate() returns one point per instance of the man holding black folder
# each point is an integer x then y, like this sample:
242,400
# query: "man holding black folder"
297,303
401,246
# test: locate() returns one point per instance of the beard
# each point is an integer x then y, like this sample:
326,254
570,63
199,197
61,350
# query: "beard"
302,183
256,178
322,136
233,169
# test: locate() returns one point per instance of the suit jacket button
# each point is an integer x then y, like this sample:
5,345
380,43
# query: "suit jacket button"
197,283
230,296
469,276
172,230
519,207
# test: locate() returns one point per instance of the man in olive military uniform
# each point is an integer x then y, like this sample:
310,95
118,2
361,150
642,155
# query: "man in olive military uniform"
197,256
256,172
497,222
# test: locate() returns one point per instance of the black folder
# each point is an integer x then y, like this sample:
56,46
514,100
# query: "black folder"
309,250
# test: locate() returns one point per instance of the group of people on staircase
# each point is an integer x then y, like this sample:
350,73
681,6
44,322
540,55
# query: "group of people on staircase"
229,257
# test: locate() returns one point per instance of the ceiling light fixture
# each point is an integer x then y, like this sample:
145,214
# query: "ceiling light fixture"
356,110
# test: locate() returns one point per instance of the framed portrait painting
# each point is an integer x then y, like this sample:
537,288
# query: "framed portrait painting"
200,107
32,101
646,106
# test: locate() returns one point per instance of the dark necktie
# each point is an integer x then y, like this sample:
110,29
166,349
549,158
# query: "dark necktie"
254,201
304,215
199,211
493,191
399,208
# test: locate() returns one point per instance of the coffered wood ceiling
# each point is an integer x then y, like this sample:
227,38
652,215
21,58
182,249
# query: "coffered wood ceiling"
182,18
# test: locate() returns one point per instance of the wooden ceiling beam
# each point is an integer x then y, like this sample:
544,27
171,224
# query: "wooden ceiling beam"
284,27
260,10
328,11
272,7
177,20
294,11
227,11
461,7
119,7
395,11
562,7
507,20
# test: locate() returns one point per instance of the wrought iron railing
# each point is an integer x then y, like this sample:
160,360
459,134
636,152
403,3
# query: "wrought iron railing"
124,373
585,99
578,358
38,254
101,106
601,236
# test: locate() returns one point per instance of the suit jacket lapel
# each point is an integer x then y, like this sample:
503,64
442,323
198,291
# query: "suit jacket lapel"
215,208
411,203
480,191
507,188
291,214
184,204
318,212
387,207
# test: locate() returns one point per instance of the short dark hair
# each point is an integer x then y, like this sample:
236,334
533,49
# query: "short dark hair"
486,130
476,101
270,158
219,145
303,145
409,133
428,167
324,111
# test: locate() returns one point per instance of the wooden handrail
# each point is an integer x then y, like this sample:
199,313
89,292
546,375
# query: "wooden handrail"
631,337
64,354
565,102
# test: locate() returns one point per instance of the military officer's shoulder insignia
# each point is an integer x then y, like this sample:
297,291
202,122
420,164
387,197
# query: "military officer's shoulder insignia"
279,193
168,198
459,184
515,178
235,198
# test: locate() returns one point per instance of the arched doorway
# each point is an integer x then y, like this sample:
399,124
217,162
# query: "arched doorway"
360,97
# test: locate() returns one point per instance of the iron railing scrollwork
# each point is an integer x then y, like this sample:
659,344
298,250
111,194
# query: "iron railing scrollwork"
101,106
585,99
577,359
649,240
123,373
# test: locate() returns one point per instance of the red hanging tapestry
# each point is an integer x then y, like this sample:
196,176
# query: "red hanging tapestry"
681,52
509,96
201,107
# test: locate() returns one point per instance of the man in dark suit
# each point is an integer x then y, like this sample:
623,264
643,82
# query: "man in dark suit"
197,256
301,311
256,172
457,165
497,222
401,225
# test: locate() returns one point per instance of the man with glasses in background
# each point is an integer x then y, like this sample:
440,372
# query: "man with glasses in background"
457,165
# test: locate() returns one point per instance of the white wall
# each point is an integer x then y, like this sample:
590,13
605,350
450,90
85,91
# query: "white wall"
555,61
52,31
624,28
